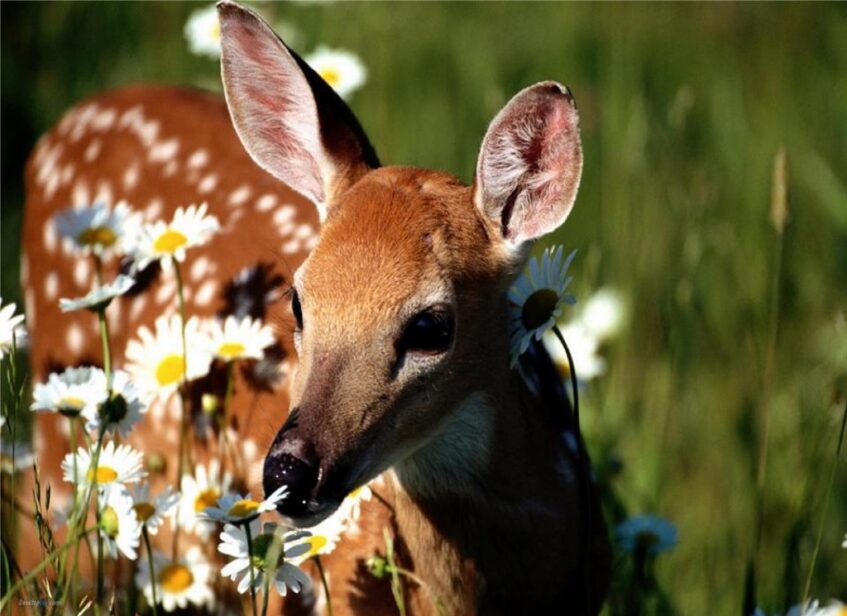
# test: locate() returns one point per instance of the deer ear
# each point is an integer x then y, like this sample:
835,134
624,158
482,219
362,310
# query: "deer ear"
530,163
290,121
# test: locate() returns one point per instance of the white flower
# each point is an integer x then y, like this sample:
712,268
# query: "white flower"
235,508
322,538
99,297
11,325
200,492
116,465
156,360
238,339
603,314
584,349
273,552
190,227
119,525
120,412
203,31
74,391
352,505
178,583
649,533
536,298
95,228
341,69
152,511
844,543
814,608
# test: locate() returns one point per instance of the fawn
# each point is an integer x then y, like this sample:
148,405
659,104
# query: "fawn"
396,343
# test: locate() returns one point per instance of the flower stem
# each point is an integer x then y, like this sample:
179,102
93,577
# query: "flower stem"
223,440
183,398
267,590
325,584
107,353
439,605
583,460
150,564
252,573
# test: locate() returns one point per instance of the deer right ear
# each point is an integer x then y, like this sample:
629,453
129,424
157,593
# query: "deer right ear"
530,163
290,121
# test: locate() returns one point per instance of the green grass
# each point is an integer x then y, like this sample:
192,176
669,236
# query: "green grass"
683,108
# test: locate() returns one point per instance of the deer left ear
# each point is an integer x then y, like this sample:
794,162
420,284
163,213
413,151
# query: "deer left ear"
530,163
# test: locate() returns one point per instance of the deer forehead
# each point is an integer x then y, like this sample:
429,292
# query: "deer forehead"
390,245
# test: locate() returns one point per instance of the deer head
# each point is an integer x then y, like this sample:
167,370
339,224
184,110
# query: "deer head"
400,309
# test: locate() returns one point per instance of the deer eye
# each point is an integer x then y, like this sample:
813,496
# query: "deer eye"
296,308
429,331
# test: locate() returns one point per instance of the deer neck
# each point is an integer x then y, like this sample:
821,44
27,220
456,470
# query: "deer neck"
495,480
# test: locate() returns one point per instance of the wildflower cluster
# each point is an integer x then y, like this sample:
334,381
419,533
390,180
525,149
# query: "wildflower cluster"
115,498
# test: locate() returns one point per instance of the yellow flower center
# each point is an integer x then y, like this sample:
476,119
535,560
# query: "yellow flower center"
143,511
103,236
103,474
215,31
231,350
316,543
175,578
538,308
355,493
71,403
331,76
169,370
243,508
170,241
207,498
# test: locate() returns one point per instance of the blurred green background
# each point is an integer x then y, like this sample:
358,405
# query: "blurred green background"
684,108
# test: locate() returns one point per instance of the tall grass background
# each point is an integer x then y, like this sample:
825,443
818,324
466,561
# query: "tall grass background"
684,109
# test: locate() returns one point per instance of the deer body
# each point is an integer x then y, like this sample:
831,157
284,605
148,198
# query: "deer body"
399,318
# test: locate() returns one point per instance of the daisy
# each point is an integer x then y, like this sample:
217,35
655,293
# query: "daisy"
536,298
200,492
163,242
152,511
584,349
353,503
203,32
74,391
119,523
238,339
156,360
11,326
603,314
121,411
341,69
814,608
322,538
179,583
116,465
99,297
237,509
95,228
273,552
648,533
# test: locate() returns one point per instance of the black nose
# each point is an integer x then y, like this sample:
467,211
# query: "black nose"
300,476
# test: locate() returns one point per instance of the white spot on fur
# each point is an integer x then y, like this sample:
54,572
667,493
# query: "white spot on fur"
80,194
50,236
154,209
51,286
104,193
266,202
239,195
24,269
52,185
170,169
206,293
74,338
92,151
136,309
291,246
131,175
199,158
311,242
82,271
166,291
163,151
286,228
208,183
29,300
68,174
283,215
199,268
104,120
304,231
